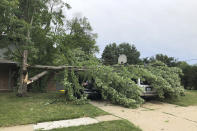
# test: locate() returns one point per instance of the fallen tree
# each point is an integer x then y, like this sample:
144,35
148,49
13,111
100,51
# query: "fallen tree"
118,85
76,68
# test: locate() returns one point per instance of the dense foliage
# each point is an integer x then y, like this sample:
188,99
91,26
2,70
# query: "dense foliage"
41,27
28,26
118,84
189,72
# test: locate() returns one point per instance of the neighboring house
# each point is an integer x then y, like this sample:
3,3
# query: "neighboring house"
9,71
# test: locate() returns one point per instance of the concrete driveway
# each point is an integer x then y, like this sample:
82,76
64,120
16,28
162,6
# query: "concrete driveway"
156,116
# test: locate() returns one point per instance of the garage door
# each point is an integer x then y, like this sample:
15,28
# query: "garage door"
4,79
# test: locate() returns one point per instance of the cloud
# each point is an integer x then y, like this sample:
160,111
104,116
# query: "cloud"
154,26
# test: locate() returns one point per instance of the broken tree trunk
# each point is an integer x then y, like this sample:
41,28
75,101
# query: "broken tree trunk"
22,89
36,77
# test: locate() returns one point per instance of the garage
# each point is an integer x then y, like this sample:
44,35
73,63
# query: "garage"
8,73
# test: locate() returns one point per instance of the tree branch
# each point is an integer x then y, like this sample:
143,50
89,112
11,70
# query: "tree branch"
76,68
14,53
36,77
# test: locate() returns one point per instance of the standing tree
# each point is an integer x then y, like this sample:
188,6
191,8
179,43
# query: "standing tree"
112,51
81,35
169,61
130,51
38,28
110,54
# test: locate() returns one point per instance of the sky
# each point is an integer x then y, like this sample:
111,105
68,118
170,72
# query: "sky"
153,26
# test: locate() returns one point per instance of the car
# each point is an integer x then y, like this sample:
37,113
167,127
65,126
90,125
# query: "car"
147,90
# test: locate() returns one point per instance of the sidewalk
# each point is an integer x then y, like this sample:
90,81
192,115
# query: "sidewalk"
61,123
155,116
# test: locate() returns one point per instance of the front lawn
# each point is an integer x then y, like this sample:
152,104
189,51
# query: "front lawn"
118,125
39,108
190,99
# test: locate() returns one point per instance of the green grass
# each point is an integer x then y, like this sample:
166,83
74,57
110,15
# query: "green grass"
118,125
37,108
190,99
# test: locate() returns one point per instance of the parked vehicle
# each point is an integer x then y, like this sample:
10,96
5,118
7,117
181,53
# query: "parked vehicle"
147,89
92,93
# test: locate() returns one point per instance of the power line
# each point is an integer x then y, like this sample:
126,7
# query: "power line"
190,60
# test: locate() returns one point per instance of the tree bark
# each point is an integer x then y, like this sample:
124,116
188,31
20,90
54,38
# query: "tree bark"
48,67
76,68
22,89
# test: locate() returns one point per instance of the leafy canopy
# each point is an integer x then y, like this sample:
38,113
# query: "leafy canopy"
40,27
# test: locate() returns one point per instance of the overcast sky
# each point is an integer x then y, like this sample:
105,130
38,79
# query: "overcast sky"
153,26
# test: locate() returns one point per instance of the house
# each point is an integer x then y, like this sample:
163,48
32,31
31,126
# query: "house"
9,74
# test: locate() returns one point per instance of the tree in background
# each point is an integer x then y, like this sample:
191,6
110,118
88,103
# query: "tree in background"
130,51
189,76
112,51
110,54
80,35
169,61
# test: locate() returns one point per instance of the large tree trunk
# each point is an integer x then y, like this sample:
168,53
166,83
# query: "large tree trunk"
22,89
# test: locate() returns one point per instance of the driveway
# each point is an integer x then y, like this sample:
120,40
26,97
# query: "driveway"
156,116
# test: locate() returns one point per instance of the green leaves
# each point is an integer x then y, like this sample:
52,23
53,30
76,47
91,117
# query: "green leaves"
169,78
189,76
118,85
